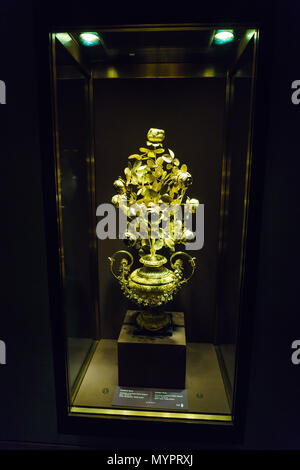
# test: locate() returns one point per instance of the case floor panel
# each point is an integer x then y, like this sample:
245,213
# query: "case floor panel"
203,375
78,349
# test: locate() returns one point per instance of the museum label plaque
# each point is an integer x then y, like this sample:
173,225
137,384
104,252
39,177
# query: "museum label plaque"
150,398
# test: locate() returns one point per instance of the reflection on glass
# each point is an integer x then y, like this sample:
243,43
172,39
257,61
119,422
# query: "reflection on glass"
237,180
72,127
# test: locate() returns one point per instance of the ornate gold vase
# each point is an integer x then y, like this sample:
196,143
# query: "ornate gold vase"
153,178
152,285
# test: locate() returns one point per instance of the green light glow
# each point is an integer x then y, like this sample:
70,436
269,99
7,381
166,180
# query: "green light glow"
250,33
64,38
223,36
89,39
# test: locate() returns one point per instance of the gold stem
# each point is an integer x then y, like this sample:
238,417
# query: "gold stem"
152,248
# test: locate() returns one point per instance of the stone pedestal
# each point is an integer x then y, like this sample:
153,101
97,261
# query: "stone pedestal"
152,361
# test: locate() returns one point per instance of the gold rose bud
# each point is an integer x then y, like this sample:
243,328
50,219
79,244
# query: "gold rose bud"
185,177
156,135
119,186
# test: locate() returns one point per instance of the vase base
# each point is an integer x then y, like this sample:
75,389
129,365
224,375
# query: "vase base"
153,323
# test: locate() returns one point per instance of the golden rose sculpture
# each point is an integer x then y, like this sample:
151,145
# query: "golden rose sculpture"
151,195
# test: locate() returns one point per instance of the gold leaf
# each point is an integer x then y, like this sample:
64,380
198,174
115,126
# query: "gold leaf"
183,168
136,155
159,161
143,150
166,198
176,162
171,153
132,198
141,168
149,178
136,165
150,163
158,171
151,154
156,186
127,174
150,194
170,243
158,244
159,150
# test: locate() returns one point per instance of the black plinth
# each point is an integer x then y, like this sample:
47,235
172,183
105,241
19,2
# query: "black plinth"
152,361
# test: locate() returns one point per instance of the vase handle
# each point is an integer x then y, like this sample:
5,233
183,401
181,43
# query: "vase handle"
178,264
124,266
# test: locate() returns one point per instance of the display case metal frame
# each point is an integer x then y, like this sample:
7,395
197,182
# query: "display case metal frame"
151,423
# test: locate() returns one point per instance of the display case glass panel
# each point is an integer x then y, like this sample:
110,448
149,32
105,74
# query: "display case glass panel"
110,86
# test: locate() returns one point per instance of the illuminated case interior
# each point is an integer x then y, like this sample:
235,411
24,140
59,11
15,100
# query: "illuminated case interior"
105,97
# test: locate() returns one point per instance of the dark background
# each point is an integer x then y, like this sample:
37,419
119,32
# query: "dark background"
192,113
27,394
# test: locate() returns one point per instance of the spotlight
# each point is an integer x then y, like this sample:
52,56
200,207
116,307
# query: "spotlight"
89,39
222,36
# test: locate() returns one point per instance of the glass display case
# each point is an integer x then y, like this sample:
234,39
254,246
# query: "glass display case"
156,343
